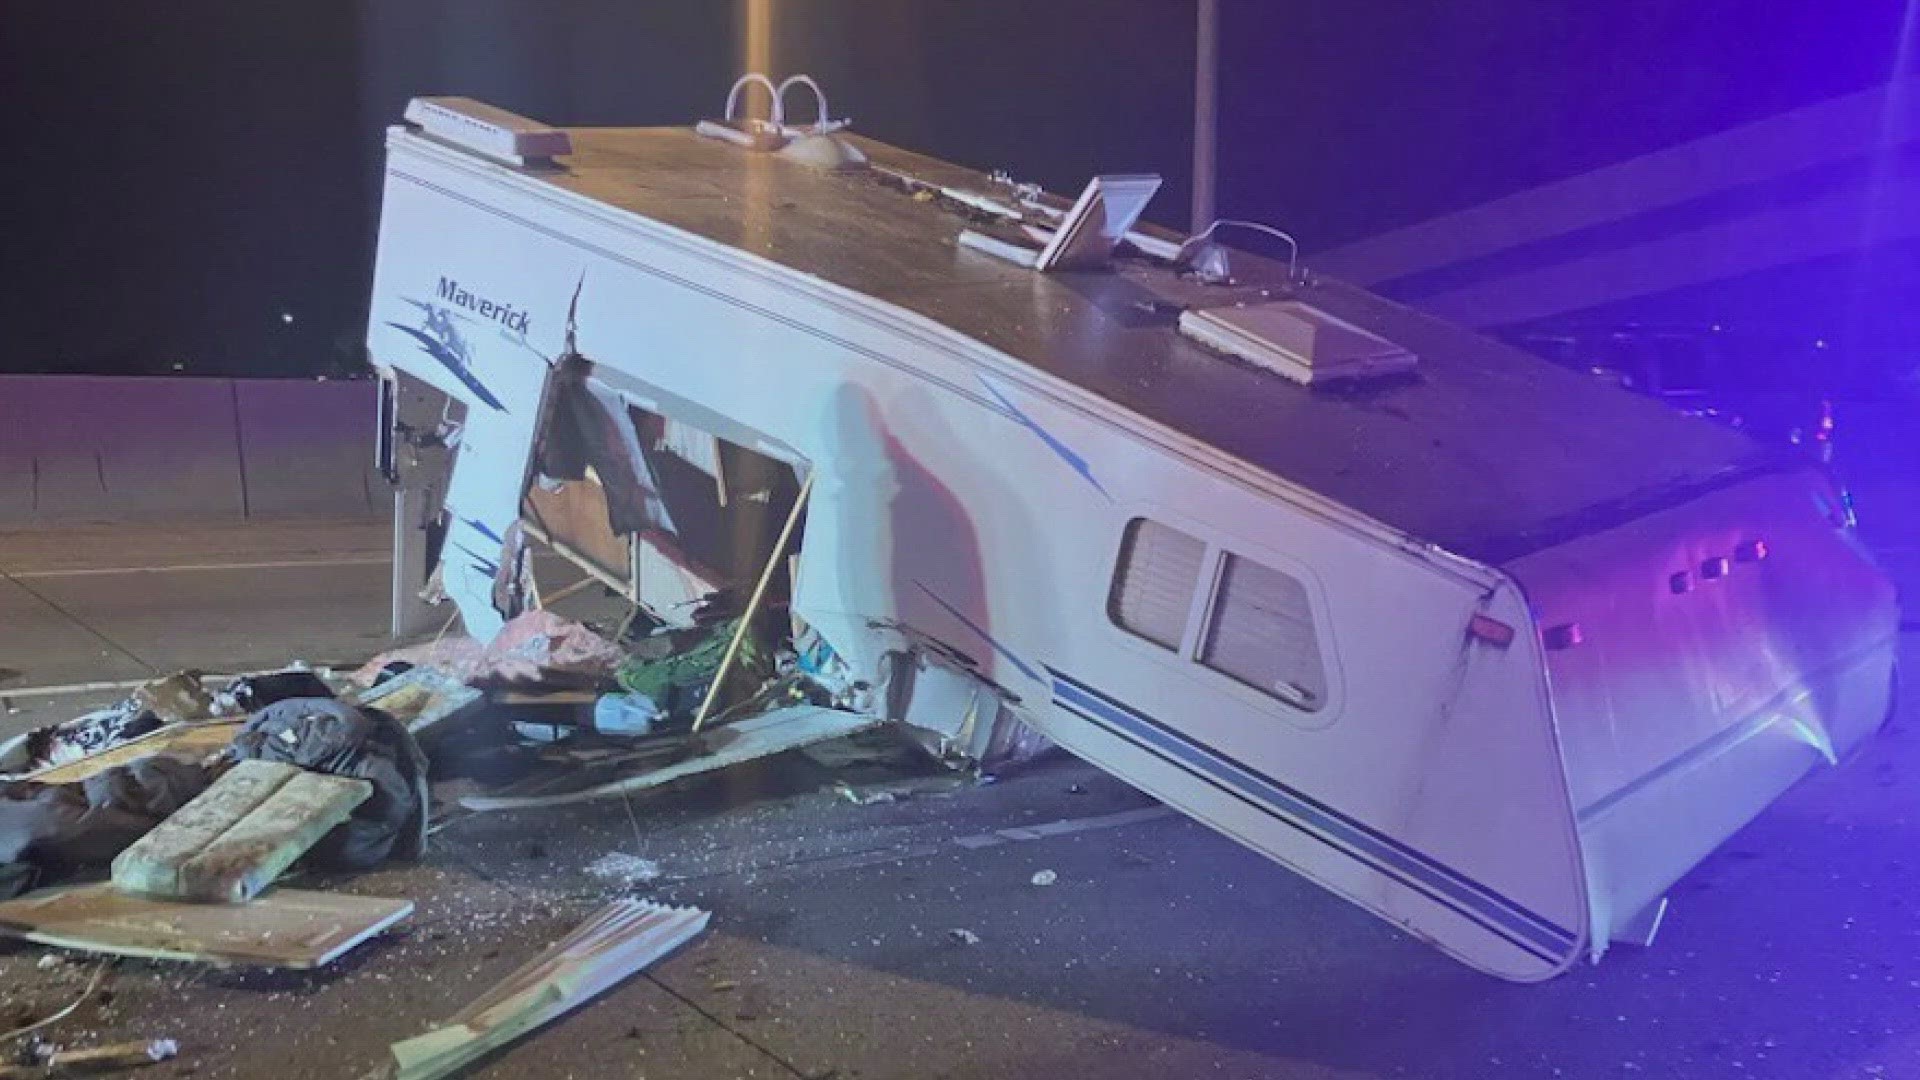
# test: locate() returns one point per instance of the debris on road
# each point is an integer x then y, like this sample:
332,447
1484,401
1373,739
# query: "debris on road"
615,943
231,842
288,928
50,827
325,735
964,936
430,702
193,742
81,737
93,984
536,648
869,796
742,741
624,868
176,699
1045,877
55,1061
251,693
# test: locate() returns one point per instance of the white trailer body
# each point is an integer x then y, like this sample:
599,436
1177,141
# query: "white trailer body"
1425,643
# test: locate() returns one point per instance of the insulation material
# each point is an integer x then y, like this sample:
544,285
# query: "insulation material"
537,648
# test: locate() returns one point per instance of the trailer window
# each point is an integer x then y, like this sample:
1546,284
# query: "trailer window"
1260,632
1154,583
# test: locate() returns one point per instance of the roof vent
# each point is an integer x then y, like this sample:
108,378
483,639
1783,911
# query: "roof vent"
1296,341
1085,236
491,132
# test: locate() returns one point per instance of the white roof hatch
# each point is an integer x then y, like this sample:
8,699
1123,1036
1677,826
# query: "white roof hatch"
1296,341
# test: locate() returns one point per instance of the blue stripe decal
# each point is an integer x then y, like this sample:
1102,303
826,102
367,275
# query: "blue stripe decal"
1441,883
984,636
1067,453
455,365
481,528
492,568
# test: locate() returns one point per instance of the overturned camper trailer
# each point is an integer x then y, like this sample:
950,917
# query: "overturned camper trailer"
1491,650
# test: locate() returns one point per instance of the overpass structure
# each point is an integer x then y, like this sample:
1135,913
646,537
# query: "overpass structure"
1833,186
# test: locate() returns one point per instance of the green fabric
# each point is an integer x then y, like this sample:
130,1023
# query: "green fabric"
657,679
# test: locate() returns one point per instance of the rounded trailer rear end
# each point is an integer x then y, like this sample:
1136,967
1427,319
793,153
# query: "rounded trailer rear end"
1702,658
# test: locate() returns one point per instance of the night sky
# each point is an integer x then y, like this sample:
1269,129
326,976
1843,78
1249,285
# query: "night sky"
184,177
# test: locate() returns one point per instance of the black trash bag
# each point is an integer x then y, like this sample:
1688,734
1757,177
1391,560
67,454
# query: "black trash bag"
255,692
87,824
18,879
327,735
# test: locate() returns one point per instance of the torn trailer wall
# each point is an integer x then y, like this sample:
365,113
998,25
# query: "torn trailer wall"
1036,485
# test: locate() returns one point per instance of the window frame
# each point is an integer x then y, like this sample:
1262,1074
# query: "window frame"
1127,532
1200,610
1206,616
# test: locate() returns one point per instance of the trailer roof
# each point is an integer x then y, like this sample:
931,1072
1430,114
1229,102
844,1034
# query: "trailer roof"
1489,452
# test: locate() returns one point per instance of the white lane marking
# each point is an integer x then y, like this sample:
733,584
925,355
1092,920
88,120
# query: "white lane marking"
278,564
64,689
858,860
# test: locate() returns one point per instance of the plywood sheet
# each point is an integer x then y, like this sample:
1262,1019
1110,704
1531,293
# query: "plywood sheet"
187,740
287,928
575,519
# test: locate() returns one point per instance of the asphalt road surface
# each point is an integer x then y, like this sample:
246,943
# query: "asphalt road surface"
1159,950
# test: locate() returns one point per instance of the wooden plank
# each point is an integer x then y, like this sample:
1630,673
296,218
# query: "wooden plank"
545,697
748,740
154,862
613,944
420,698
187,740
287,928
240,863
237,836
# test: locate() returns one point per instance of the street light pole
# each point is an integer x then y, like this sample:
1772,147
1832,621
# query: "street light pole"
1206,109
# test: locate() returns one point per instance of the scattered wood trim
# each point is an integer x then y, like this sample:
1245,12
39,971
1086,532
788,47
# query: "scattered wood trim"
198,740
288,928
96,1059
544,697
746,740
612,945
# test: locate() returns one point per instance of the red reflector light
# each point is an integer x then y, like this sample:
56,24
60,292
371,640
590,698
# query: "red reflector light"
1751,551
1564,636
1492,631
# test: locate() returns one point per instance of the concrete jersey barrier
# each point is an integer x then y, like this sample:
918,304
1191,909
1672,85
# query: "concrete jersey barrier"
80,449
